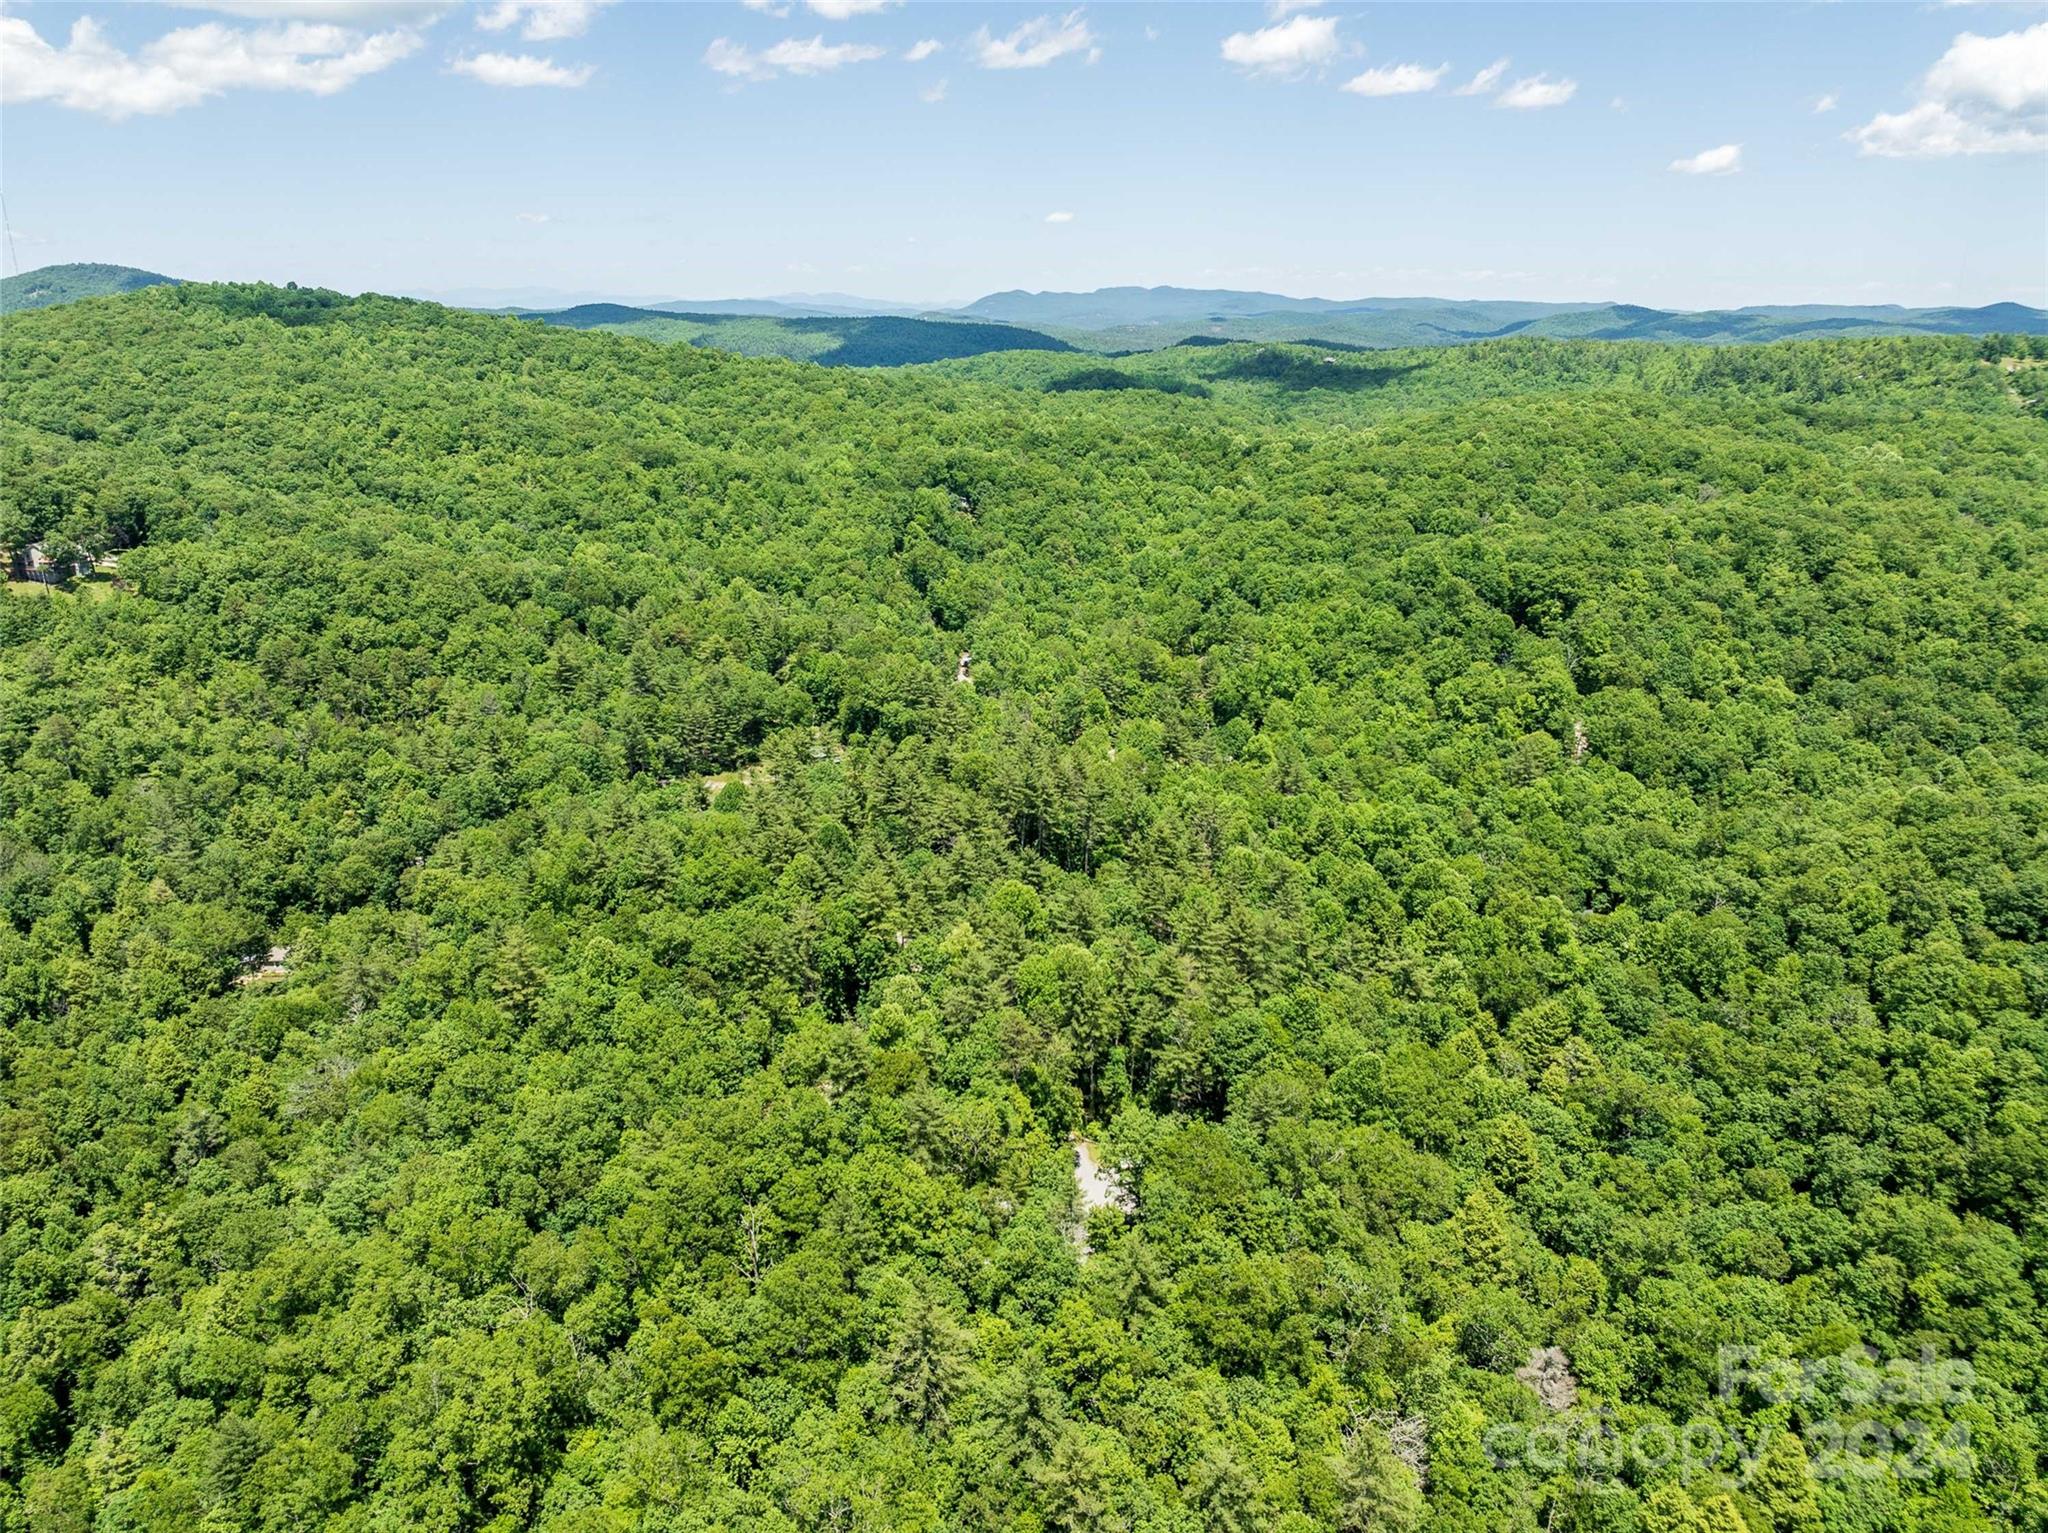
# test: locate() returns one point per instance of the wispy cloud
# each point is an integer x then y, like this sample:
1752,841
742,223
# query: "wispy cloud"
520,70
1936,130
534,218
1534,92
922,49
1285,49
188,65
1486,81
1036,43
540,21
1826,103
1396,80
1985,95
347,13
1723,160
932,95
793,55
1061,217
841,10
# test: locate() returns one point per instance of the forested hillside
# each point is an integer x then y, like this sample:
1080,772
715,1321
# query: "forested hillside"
564,909
1146,319
1334,385
882,340
50,285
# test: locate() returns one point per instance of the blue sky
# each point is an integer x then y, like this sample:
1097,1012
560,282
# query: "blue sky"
1670,154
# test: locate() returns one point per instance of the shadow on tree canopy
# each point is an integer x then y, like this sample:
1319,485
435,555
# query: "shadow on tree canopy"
1293,369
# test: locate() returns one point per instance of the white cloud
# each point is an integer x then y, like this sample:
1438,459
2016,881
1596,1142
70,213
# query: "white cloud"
1986,95
793,55
1932,130
1288,48
1725,160
922,49
1061,217
1826,103
766,7
540,21
1534,92
1036,43
2009,72
534,218
840,10
341,12
813,55
1396,80
1485,81
1279,8
726,57
186,66
932,95
519,70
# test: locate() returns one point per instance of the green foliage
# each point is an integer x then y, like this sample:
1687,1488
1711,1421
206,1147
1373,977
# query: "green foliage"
532,995
50,285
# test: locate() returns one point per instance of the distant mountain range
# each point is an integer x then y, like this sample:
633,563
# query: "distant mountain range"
1109,307
1149,318
802,306
496,300
847,330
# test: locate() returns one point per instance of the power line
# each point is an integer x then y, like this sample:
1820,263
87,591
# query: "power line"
8,224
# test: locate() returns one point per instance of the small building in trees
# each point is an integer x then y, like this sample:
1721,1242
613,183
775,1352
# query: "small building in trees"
38,561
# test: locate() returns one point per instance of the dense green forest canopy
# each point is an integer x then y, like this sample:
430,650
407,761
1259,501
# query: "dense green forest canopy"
563,907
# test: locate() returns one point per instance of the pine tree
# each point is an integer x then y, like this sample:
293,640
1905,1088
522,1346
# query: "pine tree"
1376,1492
1025,1411
517,978
1077,1484
1224,1489
924,1365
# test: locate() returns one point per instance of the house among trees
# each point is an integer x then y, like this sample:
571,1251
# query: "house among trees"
37,561
258,969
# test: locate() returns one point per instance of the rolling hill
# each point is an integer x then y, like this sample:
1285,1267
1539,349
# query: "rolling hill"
1108,307
1144,319
842,330
48,285
1628,322
870,340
